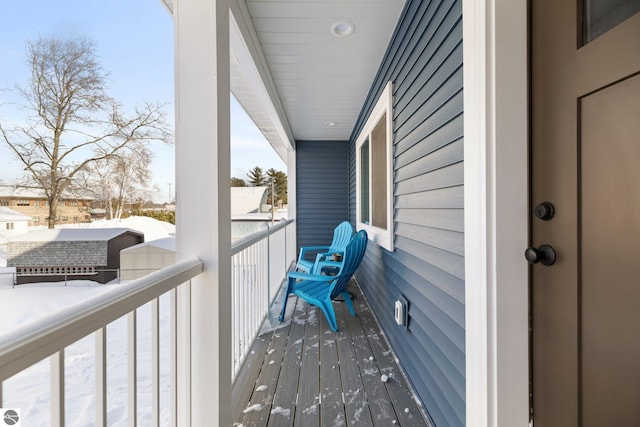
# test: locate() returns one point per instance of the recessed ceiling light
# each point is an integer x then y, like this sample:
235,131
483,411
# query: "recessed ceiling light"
342,28
330,124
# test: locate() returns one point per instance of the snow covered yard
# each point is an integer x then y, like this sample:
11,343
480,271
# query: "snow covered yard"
30,389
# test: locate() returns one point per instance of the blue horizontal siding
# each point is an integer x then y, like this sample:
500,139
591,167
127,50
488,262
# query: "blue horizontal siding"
322,178
424,62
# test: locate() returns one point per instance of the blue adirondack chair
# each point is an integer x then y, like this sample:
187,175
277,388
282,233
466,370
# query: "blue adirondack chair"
341,236
320,290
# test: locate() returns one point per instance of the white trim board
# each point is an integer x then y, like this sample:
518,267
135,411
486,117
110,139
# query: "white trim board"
496,212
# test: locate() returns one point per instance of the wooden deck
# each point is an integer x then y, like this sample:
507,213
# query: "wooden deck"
306,375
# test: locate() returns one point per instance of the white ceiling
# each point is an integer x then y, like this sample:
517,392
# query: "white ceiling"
294,76
320,77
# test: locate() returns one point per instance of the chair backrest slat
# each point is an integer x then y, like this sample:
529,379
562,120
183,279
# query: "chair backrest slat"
341,236
353,255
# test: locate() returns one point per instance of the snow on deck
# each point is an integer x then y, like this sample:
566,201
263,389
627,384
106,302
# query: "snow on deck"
308,373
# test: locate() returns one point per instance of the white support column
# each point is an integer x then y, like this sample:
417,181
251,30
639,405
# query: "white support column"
203,203
496,216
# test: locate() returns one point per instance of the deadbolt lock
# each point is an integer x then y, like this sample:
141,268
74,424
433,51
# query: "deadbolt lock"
545,211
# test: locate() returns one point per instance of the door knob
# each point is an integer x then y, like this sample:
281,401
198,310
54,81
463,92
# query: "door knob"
545,254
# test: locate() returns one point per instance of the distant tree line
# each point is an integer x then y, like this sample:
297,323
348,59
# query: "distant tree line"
163,215
258,178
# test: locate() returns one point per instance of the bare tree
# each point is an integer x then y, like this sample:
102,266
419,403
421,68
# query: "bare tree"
118,179
75,123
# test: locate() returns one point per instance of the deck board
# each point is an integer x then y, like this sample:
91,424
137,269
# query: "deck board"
284,401
259,408
406,409
248,374
308,407
304,374
355,398
379,401
332,406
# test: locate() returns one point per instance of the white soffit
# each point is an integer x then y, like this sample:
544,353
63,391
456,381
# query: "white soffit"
251,83
321,78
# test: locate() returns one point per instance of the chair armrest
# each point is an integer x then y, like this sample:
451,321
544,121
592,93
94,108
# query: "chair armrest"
306,276
328,256
331,264
305,249
314,248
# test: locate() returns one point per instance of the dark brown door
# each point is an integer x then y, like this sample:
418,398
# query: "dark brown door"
585,152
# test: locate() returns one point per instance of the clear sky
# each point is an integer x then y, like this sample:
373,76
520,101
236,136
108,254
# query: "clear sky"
134,40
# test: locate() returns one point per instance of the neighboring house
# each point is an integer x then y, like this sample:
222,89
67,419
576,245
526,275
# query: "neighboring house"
33,202
70,254
247,200
144,258
98,213
250,210
12,222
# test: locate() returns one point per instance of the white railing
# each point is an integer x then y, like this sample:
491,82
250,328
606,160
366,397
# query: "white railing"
259,263
50,336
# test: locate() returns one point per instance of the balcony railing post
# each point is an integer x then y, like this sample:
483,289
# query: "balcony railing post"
132,368
269,314
101,377
57,389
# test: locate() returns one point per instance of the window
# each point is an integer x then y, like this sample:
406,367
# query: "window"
599,16
22,203
35,219
374,177
65,218
4,202
9,226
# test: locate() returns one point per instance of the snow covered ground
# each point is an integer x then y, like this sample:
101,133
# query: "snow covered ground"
30,389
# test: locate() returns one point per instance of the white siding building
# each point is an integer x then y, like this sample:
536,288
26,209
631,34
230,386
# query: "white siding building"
12,223
139,260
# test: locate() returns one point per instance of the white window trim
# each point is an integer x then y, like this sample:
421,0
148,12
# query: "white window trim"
384,105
